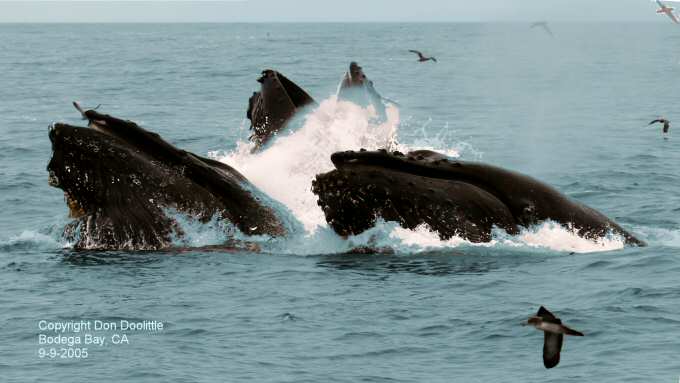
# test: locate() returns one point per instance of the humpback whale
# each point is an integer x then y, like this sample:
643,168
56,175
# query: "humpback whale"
120,180
356,87
279,99
455,198
270,109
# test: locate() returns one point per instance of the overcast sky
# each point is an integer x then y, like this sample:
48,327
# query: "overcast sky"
326,10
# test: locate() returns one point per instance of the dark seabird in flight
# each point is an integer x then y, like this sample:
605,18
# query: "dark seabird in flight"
666,124
554,332
422,58
543,25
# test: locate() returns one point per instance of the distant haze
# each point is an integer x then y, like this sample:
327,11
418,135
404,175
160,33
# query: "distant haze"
328,11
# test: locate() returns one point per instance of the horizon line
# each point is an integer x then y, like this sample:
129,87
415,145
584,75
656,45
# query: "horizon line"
636,21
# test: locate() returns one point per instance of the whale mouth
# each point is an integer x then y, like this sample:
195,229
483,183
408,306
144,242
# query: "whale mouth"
120,181
297,96
411,189
452,197
270,109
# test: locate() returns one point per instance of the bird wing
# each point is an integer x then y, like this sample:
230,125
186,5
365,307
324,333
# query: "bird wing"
655,121
673,17
416,52
571,331
660,4
544,26
552,345
548,30
546,315
433,59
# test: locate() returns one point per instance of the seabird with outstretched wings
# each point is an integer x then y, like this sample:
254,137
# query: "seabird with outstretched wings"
421,57
553,338
543,25
665,122
668,11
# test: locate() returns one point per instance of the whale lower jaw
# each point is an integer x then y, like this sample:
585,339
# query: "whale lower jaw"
123,185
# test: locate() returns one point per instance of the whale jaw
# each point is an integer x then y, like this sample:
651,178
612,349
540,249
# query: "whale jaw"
124,184
451,197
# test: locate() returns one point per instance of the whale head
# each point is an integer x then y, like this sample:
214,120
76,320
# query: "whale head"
120,182
270,109
453,197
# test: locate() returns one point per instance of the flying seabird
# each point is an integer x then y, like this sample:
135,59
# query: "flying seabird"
665,122
544,26
554,332
668,11
422,58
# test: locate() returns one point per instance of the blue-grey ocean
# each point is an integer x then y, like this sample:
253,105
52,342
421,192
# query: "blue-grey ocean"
571,110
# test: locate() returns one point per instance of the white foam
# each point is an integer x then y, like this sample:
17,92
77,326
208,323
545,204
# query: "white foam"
553,236
285,170
661,236
34,239
198,234
547,235
424,238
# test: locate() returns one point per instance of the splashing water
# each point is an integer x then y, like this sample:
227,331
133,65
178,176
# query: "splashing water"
29,239
662,236
547,235
285,170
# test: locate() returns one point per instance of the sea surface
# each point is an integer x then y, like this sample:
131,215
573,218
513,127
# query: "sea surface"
571,110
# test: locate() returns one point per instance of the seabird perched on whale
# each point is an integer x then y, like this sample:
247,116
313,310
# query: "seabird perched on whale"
81,110
554,332
665,122
421,57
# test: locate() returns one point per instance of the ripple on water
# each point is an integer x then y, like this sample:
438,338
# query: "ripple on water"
359,336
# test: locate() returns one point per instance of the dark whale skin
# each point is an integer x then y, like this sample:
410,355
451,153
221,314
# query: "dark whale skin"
120,179
270,109
455,198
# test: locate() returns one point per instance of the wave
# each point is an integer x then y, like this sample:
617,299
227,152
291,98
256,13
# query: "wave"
546,236
660,236
34,240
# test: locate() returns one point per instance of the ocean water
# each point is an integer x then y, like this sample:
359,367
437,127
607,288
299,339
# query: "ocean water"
570,110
